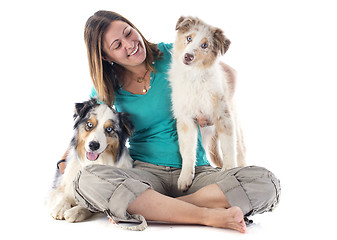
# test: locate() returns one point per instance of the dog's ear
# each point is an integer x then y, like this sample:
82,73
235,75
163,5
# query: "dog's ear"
184,24
221,43
81,109
78,108
126,123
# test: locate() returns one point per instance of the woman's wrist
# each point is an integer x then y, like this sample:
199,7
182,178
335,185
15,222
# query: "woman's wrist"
61,165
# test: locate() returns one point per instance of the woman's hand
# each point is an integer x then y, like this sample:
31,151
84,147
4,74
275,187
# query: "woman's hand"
62,167
62,164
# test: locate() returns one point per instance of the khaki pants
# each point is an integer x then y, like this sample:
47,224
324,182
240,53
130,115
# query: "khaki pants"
108,189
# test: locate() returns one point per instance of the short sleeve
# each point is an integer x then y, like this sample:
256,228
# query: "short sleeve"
93,93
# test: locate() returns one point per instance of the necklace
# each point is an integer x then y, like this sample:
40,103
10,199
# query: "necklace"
142,79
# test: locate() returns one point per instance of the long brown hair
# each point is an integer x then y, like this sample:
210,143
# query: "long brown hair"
104,74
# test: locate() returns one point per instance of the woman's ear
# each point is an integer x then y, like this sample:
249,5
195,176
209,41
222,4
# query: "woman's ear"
108,61
105,58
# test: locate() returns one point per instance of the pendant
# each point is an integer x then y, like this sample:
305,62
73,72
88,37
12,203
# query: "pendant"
144,90
140,80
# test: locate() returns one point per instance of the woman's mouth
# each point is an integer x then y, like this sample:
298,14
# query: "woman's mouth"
134,51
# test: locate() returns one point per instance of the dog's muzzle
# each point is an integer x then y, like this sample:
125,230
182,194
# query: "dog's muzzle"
94,145
92,156
188,58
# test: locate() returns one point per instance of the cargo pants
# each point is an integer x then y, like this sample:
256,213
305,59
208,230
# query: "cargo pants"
108,189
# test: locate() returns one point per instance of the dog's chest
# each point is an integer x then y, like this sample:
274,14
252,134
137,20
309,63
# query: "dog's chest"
194,94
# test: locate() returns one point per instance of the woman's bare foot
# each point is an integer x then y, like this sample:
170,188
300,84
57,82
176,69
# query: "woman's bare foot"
231,218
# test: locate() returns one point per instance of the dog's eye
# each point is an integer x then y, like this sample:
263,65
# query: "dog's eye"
189,39
108,129
204,45
89,125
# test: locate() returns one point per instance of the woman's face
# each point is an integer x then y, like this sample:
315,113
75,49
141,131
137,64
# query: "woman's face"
123,45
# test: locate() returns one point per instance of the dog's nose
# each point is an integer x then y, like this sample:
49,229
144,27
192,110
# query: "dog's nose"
188,57
94,145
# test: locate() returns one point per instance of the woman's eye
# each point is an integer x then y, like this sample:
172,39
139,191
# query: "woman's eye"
109,129
129,33
89,125
118,45
204,45
189,39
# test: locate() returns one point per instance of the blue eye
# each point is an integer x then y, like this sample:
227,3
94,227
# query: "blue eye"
108,129
189,39
204,45
89,125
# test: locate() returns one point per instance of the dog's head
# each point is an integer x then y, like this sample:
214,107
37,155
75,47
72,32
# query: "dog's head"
100,130
198,43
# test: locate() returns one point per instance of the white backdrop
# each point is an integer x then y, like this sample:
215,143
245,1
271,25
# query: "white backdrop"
284,52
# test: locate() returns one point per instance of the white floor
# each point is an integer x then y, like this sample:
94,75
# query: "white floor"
284,52
297,217
269,226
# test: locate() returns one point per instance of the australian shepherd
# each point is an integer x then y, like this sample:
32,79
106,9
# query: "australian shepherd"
100,137
200,89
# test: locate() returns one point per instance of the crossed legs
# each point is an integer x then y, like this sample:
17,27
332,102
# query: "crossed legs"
208,206
254,189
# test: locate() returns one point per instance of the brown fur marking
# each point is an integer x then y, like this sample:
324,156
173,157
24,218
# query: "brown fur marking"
83,133
184,127
113,146
220,120
221,43
214,151
94,122
184,24
107,124
82,136
206,59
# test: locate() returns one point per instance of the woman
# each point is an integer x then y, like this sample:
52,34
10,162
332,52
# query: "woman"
131,73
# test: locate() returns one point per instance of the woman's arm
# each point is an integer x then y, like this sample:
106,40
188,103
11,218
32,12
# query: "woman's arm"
61,165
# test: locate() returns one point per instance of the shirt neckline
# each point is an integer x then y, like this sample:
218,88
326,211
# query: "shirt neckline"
133,94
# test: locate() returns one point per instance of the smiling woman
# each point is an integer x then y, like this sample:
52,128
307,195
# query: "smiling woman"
121,34
122,65
105,34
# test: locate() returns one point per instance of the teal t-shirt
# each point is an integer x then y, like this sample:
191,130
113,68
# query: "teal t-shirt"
155,139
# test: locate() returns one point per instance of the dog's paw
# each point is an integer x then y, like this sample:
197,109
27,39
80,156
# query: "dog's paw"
185,181
59,210
77,214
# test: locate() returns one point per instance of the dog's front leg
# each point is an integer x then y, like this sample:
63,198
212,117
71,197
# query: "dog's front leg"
60,206
187,136
77,214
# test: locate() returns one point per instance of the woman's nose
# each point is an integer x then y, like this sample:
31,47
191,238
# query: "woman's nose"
128,43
